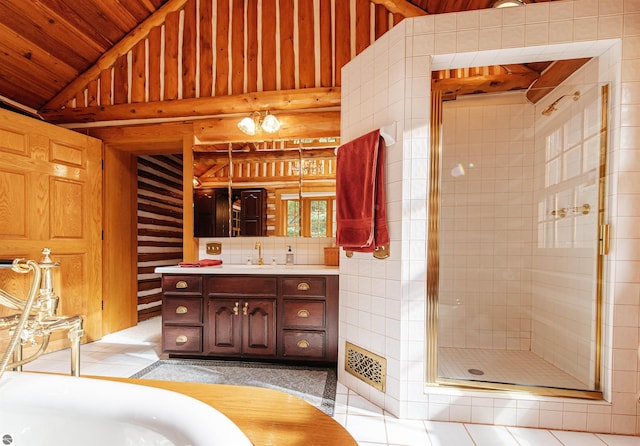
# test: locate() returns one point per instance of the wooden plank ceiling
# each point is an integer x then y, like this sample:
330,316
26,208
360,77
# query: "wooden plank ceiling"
100,61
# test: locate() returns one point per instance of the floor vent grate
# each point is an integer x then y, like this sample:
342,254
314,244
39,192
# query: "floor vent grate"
366,366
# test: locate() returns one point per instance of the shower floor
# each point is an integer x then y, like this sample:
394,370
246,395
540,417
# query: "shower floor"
503,366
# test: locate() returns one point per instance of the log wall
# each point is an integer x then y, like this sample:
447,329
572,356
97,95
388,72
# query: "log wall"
229,47
159,226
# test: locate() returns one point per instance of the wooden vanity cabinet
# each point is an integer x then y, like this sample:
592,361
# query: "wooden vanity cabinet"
275,317
182,316
241,316
309,318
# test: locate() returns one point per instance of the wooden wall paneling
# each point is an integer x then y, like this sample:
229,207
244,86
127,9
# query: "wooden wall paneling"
326,46
222,48
154,57
171,54
268,42
138,72
306,44
397,18
121,80
253,46
119,289
206,48
342,49
159,226
189,50
381,21
237,47
363,25
287,49
105,87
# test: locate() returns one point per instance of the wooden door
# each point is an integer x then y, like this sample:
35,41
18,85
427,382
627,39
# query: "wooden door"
51,196
259,327
224,329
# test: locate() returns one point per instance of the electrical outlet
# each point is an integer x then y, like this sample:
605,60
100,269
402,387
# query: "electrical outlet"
214,248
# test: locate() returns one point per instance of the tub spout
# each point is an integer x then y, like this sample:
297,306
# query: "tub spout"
38,320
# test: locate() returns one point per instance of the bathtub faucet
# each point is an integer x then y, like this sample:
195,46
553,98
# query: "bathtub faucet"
38,319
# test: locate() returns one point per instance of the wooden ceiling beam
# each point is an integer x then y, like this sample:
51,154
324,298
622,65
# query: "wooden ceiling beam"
321,124
553,76
263,155
402,7
484,84
304,98
144,139
109,57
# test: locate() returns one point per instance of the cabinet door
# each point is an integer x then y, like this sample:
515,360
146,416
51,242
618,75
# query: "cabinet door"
259,326
225,326
253,221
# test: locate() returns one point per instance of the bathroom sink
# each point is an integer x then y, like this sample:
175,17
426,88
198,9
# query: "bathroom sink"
243,268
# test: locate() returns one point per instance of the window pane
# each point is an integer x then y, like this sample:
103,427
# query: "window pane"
318,218
293,218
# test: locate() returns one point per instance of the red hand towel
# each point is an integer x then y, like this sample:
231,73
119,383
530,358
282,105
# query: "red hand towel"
199,263
360,197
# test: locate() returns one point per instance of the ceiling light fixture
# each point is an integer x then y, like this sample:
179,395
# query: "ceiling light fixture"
507,3
259,121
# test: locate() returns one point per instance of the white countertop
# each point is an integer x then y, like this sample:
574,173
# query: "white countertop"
253,269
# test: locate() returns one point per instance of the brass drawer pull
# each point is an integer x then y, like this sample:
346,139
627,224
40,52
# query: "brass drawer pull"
303,286
181,284
181,339
303,343
303,313
182,310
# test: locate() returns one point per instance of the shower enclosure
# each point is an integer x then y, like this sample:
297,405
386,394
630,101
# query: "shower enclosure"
516,298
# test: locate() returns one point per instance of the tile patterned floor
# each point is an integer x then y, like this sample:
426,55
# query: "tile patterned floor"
124,353
525,367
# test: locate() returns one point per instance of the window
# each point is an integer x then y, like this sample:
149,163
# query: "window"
311,216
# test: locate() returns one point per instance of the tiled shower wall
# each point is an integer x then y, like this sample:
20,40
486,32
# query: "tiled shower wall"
564,263
486,226
382,303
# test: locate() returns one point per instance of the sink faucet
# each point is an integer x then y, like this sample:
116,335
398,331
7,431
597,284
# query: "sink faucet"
259,248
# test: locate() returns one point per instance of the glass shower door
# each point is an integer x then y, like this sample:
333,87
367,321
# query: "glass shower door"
521,204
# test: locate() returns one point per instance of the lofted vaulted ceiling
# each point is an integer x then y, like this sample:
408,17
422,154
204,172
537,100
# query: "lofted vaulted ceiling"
104,61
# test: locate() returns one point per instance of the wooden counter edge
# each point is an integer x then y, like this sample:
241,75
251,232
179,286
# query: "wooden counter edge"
267,417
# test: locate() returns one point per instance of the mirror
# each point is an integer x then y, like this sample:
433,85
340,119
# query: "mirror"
275,188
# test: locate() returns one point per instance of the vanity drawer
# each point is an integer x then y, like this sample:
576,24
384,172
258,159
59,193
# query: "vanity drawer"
303,286
304,314
182,284
304,344
182,339
182,310
241,285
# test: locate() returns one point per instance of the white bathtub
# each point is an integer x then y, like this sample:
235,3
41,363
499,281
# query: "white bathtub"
40,409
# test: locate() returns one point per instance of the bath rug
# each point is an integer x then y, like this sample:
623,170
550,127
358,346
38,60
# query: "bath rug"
316,385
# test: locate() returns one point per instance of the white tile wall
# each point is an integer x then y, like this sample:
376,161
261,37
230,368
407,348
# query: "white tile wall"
239,250
407,51
485,291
